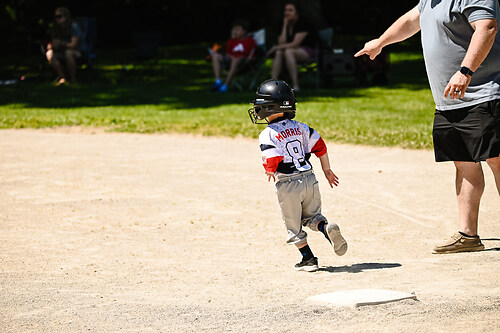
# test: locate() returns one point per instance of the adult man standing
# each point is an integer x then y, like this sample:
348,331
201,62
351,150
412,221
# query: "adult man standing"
462,58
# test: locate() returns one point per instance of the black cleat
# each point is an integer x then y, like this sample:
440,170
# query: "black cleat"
310,265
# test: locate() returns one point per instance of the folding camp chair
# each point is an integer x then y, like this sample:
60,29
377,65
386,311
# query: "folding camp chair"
315,65
88,27
252,69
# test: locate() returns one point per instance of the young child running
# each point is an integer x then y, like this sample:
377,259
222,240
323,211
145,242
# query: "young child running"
286,146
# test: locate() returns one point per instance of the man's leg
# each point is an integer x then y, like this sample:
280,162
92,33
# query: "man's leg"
494,164
56,64
470,187
71,56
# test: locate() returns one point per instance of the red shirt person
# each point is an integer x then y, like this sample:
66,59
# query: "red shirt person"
239,48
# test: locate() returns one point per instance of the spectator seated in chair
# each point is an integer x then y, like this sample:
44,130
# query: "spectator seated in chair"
239,50
296,44
64,46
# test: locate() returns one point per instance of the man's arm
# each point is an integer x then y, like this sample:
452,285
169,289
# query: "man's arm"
404,27
480,45
482,40
73,44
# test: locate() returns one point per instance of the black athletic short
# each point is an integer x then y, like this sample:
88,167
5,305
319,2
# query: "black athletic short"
469,134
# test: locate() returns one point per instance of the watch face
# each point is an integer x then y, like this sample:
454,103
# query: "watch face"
465,71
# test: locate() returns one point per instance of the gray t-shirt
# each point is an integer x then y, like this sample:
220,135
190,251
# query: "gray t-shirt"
446,34
77,32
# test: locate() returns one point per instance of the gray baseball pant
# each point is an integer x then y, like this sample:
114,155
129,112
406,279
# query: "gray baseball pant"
300,203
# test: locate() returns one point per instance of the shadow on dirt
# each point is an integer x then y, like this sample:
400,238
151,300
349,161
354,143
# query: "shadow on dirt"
358,268
491,240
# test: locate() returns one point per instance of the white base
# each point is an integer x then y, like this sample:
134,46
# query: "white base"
359,297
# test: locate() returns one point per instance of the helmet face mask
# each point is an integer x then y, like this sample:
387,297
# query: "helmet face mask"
272,97
257,115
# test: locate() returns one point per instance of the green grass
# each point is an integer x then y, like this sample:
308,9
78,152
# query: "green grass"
171,95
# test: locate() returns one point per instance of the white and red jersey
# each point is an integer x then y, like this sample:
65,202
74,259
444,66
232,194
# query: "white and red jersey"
286,146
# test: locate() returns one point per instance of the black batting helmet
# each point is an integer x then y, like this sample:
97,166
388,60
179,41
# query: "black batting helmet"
273,96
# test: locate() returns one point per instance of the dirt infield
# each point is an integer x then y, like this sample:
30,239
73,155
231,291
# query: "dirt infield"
107,232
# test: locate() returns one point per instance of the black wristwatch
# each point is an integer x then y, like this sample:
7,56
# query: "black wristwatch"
466,71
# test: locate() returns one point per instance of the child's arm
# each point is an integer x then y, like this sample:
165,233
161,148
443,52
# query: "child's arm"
271,156
330,176
271,165
271,175
320,150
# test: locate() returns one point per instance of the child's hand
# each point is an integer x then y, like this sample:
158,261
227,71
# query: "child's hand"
270,175
331,177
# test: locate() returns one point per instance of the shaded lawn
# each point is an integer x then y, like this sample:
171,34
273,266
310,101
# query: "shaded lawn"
171,94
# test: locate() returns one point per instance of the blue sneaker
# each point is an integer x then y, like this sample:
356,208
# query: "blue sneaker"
223,88
217,84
